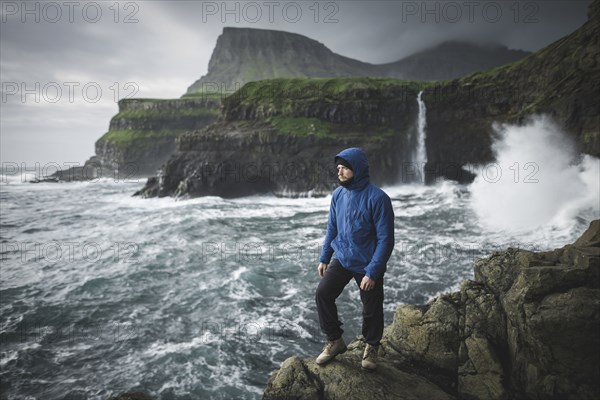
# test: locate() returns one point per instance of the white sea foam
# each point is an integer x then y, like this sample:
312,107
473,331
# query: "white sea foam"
235,275
537,180
8,357
157,349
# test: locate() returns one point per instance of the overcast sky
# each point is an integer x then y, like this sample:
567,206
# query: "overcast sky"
65,63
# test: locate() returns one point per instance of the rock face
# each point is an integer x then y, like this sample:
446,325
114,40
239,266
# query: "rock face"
245,55
525,328
281,135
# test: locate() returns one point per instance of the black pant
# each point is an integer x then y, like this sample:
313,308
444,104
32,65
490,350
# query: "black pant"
330,287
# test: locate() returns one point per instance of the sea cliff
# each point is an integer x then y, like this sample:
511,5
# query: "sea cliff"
280,136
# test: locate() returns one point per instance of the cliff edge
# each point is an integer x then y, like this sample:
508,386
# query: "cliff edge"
525,328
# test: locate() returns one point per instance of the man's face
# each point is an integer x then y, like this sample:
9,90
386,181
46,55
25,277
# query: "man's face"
344,173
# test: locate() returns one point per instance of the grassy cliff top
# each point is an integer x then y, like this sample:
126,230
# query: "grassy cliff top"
196,96
263,93
207,95
128,135
164,114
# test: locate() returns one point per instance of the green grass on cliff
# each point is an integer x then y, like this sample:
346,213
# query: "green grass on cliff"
208,94
282,102
167,113
140,119
264,93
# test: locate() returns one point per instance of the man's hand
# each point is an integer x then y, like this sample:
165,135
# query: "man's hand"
322,268
367,283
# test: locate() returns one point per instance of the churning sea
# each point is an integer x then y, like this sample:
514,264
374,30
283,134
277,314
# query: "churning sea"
103,293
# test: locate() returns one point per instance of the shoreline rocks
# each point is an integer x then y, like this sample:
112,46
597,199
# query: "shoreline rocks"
525,328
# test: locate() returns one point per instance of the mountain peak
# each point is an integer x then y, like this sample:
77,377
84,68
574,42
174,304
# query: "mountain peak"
243,55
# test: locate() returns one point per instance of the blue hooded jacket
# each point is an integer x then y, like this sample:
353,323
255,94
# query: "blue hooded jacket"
360,229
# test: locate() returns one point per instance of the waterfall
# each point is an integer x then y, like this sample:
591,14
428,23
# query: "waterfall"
420,155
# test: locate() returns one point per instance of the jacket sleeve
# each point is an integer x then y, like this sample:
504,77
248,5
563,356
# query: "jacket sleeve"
332,232
383,217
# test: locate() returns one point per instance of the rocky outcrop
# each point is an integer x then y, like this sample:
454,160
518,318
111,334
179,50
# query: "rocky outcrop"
245,55
342,379
525,328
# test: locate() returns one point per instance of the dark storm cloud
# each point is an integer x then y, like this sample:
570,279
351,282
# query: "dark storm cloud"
381,31
162,47
388,31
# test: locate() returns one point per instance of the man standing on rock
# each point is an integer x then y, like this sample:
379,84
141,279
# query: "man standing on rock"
360,231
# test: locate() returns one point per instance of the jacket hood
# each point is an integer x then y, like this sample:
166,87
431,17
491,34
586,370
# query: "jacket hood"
357,158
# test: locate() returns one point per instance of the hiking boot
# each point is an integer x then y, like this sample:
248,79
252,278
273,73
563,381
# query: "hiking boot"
369,360
330,350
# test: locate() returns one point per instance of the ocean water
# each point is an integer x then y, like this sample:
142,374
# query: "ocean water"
201,298
103,293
